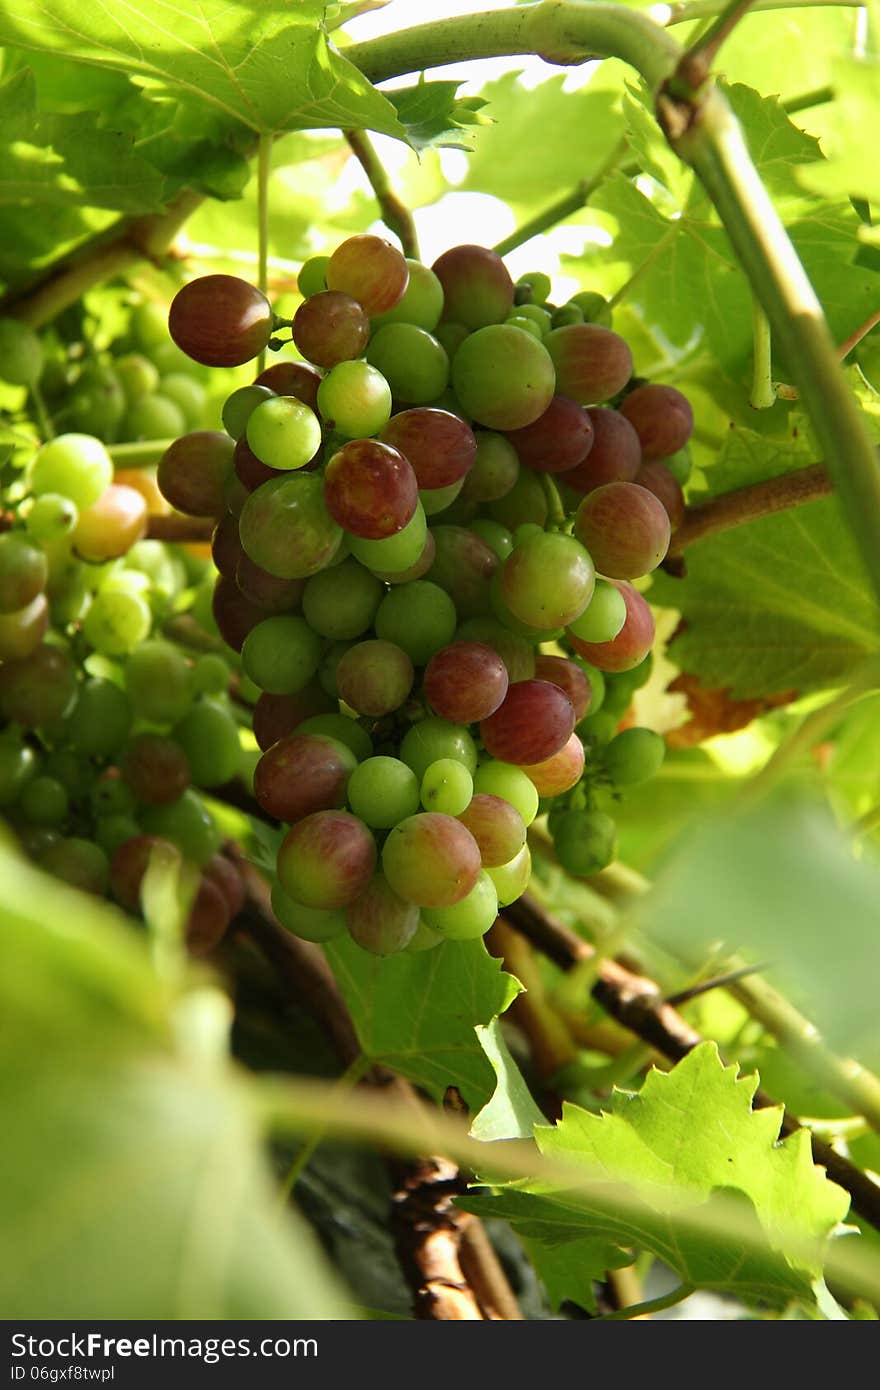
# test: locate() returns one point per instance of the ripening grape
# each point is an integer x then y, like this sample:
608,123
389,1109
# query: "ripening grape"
422,302
516,652
656,477
569,677
547,581
371,270
303,773
558,440
330,328
431,859
207,919
327,860
286,529
250,471
592,363
476,284
662,418
464,566
374,677
22,631
281,654
309,923
370,489
220,320
560,772
625,528
534,721
603,617
112,525
465,682
226,548
632,643
379,920
497,827
432,739
267,591
383,791
18,764
156,769
23,572
39,688
292,379
440,447
276,715
130,863
194,473
512,879
471,917
234,615
495,469
503,377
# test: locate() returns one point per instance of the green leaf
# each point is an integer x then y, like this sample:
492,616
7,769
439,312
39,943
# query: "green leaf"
269,66
68,160
511,1113
778,604
687,1140
782,884
417,1012
544,141
850,141
134,1180
568,1271
433,115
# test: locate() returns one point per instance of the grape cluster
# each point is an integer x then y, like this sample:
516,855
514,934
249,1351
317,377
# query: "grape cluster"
107,728
408,557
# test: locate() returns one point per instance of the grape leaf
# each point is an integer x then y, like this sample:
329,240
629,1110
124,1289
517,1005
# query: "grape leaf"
780,603
68,160
269,66
433,115
780,884
511,1113
133,1179
688,1139
559,137
851,133
417,1012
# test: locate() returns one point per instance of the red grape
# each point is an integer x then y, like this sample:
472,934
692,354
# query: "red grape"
329,328
465,682
477,288
535,720
327,860
463,566
625,528
265,590
292,379
379,920
234,615
632,643
560,773
370,489
558,440
374,677
110,527
303,773
250,470
431,859
371,270
226,548
277,715
440,446
129,864
220,320
208,918
226,876
615,456
558,670
656,477
662,418
39,688
156,769
592,363
194,472
497,827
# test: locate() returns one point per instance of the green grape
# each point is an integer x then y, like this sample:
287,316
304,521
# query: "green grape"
96,404
111,796
285,527
210,675
422,302
149,325
341,727
312,278
423,939
598,728
51,517
23,572
113,831
512,879
450,336
495,778
526,325
160,683
394,553
447,786
209,737
72,770
437,499
164,570
18,763
548,580
585,842
566,314
281,654
495,470
79,863
329,665
495,535
420,617
186,393
593,306
100,721
354,400
532,288
341,602
308,923
74,465
117,622
503,377
597,684
525,502
383,791
240,406
21,353
188,823
44,801
634,756
413,363
536,313
167,357
603,616
434,738
137,376
281,431
154,417
469,918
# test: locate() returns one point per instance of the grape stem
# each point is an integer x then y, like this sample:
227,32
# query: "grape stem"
750,503
264,170
689,10
140,454
44,420
693,70
762,395
395,213
649,1306
569,204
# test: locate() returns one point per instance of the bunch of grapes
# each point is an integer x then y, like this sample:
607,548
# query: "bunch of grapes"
107,728
408,557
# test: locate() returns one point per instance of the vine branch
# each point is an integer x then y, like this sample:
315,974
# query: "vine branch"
395,213
750,503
